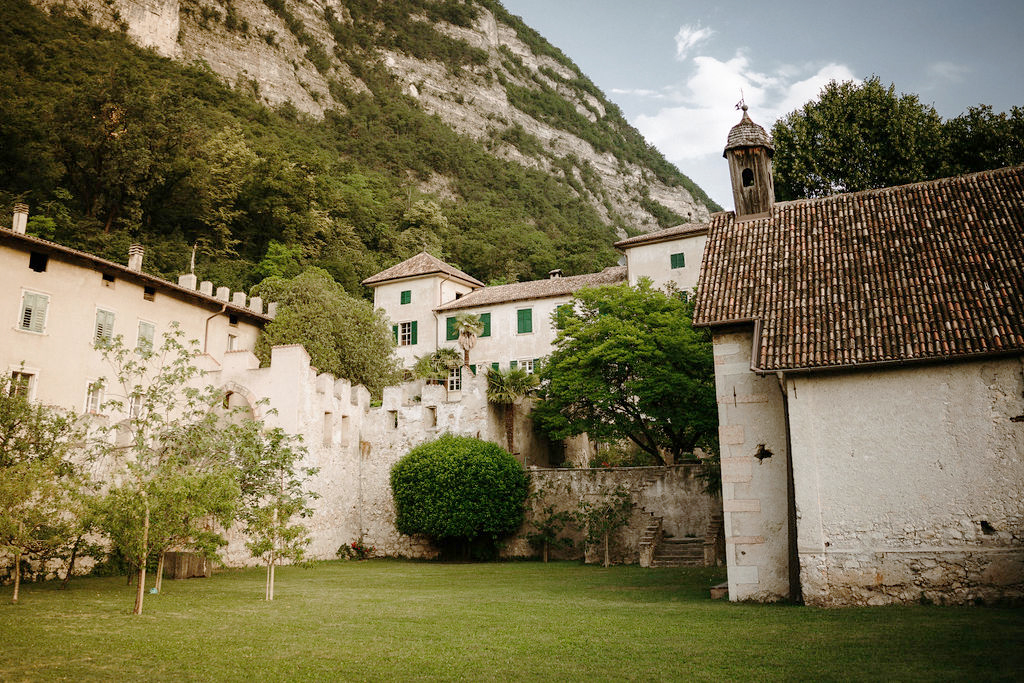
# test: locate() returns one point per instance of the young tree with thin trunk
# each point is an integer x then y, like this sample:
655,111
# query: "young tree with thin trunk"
602,518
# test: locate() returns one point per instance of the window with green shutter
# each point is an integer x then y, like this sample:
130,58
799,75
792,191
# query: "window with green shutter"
678,260
451,329
104,327
524,320
472,368
512,364
146,333
495,366
485,320
33,312
413,342
407,296
394,331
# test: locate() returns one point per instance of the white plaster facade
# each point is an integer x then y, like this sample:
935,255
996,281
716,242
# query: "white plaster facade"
57,299
669,257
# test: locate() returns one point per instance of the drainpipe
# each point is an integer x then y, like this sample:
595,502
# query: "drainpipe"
206,331
795,593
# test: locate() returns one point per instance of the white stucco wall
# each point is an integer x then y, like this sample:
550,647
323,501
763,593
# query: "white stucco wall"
62,357
426,294
754,499
910,483
654,261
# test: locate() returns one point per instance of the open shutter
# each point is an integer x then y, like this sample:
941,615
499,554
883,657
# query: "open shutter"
472,368
394,331
485,320
413,334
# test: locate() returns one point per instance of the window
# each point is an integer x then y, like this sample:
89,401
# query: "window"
328,429
513,364
748,177
233,320
147,331
94,398
678,260
37,261
405,333
104,327
455,379
485,320
524,320
495,366
135,407
393,419
451,329
108,280
33,312
149,293
232,342
21,384
406,296
527,364
430,417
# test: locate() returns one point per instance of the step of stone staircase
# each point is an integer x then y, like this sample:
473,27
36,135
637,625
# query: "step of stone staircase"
679,552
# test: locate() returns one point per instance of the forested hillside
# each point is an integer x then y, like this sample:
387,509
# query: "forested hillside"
111,143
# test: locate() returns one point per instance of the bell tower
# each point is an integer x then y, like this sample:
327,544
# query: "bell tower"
749,151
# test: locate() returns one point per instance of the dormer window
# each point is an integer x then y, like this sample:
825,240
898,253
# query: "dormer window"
37,261
748,178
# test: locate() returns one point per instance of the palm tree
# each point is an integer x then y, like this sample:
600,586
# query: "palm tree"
470,327
506,388
437,367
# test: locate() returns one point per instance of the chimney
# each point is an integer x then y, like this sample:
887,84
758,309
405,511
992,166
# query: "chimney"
552,274
135,253
20,218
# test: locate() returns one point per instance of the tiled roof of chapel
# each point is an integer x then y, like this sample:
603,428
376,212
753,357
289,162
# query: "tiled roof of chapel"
420,264
675,232
909,273
536,289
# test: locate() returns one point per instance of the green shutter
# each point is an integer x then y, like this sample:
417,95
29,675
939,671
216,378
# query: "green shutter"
33,311
495,366
678,260
472,368
407,296
394,331
413,340
485,320
524,319
512,364
452,329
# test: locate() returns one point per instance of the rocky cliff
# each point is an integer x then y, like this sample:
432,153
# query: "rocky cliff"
478,68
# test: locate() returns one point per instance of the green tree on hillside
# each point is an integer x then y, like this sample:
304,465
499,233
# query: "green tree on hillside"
628,364
343,334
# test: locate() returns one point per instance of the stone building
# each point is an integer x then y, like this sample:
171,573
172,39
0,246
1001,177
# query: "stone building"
869,364
58,302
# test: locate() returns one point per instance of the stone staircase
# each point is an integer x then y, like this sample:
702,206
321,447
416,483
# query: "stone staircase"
658,551
679,552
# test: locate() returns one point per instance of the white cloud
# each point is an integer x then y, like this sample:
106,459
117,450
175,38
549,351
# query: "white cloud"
688,37
692,134
948,72
639,92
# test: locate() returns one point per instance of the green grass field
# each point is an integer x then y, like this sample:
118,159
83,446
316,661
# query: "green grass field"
388,620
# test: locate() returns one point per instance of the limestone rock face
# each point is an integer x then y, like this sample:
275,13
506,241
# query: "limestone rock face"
251,46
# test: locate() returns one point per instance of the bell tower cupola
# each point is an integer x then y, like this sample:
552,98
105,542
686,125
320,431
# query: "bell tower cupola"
749,151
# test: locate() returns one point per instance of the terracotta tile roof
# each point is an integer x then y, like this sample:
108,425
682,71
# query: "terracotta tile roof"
30,242
684,230
420,264
746,133
915,272
536,289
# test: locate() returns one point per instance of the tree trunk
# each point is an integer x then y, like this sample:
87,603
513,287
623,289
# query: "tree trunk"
140,590
545,552
606,561
160,572
465,357
510,416
71,563
17,577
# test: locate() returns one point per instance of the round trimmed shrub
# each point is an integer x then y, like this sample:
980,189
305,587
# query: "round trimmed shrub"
459,488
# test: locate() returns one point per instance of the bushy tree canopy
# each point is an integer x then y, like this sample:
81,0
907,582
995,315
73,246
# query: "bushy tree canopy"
459,488
628,364
863,136
343,334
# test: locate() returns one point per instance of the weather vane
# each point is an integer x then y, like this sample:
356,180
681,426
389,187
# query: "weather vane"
742,104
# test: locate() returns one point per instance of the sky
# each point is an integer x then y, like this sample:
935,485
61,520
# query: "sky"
677,68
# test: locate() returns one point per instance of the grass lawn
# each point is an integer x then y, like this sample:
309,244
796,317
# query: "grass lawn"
385,619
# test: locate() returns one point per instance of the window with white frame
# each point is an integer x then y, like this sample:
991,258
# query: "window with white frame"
33,312
406,333
104,332
94,397
455,379
232,342
135,406
147,331
527,365
21,384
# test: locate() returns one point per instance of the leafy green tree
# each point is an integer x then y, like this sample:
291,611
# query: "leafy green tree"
981,139
460,489
40,486
856,137
171,467
628,364
506,388
601,518
343,334
548,523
